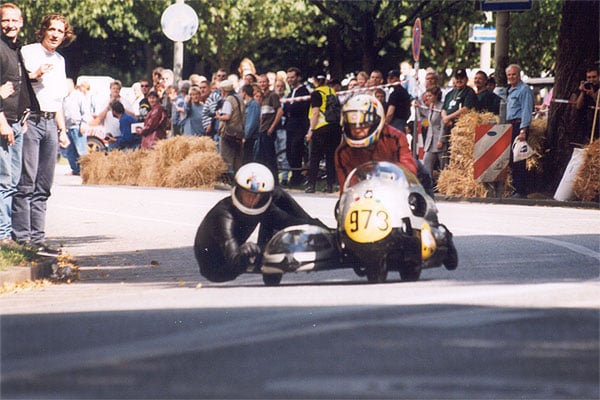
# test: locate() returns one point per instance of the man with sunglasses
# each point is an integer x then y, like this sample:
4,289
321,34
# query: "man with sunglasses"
144,104
210,107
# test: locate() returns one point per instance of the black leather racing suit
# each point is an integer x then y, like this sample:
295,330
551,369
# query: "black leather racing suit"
220,247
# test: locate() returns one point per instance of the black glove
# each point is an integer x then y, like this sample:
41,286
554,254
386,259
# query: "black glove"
249,254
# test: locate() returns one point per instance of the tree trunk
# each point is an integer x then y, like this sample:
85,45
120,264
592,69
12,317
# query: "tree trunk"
577,48
335,49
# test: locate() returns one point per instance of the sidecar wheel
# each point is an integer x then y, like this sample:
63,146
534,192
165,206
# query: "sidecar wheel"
410,274
272,279
377,274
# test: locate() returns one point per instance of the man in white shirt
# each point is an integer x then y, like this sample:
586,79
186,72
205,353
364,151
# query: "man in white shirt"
110,122
46,69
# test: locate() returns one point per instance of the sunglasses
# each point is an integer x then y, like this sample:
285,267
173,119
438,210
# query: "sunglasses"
145,85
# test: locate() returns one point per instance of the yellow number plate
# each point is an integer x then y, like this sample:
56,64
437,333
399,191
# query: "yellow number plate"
367,221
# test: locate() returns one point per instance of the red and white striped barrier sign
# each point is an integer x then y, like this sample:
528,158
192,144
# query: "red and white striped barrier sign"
492,151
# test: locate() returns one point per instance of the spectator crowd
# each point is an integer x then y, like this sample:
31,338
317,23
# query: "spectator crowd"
278,118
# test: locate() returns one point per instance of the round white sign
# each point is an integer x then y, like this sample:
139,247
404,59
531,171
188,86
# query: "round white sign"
179,22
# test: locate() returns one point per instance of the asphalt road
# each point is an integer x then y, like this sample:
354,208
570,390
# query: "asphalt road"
519,318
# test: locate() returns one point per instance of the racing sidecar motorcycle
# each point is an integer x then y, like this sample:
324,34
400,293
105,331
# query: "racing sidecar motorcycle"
385,222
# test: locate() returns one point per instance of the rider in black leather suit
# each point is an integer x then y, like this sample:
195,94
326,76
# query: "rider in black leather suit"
220,245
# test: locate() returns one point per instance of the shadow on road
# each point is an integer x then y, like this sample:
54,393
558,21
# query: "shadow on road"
510,260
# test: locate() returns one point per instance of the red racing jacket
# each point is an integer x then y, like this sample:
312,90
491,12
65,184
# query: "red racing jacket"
392,146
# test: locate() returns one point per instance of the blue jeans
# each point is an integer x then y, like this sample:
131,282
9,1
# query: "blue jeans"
76,149
280,145
40,145
10,172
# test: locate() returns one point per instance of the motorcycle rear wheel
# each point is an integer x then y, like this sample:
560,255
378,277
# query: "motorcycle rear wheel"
410,273
272,279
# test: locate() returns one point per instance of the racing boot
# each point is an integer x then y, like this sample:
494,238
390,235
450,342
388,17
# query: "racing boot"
451,259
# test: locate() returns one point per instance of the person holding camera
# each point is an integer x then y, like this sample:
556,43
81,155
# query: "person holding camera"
586,104
127,140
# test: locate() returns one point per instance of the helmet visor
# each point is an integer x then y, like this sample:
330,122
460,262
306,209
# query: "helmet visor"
359,124
250,199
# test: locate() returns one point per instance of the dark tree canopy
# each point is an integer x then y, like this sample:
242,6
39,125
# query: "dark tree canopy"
577,49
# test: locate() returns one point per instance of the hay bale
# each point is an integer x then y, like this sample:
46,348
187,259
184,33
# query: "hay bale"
113,168
457,179
149,172
182,161
537,141
174,150
198,170
587,182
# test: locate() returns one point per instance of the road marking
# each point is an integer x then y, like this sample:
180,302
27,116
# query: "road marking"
570,246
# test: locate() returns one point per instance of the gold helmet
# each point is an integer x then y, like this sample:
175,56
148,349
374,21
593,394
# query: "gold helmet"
361,111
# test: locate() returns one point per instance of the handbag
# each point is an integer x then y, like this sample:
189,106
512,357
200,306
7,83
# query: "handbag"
233,132
521,150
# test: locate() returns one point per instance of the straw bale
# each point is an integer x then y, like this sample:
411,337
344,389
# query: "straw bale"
587,182
457,179
176,149
537,141
196,171
149,172
181,161
113,168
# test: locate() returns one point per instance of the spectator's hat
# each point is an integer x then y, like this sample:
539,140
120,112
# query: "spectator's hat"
226,85
320,77
460,74
393,73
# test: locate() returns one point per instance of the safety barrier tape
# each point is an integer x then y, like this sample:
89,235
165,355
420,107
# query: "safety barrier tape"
343,92
564,101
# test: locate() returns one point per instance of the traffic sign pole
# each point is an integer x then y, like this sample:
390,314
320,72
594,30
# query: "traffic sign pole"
179,23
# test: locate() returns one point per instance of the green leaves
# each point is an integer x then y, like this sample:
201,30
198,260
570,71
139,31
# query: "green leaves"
126,36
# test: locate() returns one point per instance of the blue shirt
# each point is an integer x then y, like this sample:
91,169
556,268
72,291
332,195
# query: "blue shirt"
252,119
519,104
192,123
127,139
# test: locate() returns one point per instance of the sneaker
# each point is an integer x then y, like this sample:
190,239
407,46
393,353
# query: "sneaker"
310,189
44,249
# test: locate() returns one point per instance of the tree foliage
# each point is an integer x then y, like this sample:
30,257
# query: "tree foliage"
533,37
123,38
378,33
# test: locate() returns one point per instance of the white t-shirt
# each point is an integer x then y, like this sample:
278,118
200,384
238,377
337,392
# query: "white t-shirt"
51,88
111,124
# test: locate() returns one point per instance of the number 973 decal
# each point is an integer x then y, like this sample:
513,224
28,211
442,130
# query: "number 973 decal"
367,221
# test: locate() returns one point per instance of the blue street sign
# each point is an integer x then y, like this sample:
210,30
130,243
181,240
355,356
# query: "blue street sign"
505,5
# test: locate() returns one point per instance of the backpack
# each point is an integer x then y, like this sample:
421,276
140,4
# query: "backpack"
333,108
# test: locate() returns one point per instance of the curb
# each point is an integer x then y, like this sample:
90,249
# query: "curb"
522,202
41,269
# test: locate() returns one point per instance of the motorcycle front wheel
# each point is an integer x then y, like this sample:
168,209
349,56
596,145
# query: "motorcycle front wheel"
377,273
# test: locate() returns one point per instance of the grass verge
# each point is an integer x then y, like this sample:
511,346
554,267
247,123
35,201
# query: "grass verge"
16,256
